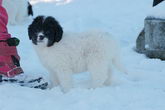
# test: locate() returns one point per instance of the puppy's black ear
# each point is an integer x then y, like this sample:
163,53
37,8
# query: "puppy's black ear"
50,43
29,32
35,25
58,33
57,28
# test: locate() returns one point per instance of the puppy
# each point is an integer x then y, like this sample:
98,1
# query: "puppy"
66,53
18,10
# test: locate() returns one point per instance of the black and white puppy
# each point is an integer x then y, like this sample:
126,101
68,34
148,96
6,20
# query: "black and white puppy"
45,28
18,10
66,53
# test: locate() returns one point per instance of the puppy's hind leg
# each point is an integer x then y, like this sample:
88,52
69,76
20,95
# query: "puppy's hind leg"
12,18
109,78
118,64
20,18
99,72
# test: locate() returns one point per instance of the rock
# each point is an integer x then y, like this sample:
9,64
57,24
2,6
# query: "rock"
159,54
140,42
155,33
151,40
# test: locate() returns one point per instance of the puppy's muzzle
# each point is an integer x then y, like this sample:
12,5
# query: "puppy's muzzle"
41,37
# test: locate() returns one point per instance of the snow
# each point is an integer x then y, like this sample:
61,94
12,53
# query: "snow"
158,11
142,89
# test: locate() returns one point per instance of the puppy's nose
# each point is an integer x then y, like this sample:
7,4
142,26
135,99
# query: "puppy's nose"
41,37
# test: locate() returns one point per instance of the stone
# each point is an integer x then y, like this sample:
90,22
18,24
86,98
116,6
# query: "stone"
140,42
151,40
155,33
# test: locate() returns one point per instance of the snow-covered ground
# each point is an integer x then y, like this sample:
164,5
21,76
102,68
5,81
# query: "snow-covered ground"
158,11
142,89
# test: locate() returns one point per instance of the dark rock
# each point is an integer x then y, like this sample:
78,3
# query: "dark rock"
151,40
155,33
159,54
140,42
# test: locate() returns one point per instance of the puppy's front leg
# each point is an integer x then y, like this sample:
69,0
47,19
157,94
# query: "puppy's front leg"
65,80
54,79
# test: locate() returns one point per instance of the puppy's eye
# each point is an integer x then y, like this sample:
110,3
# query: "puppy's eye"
41,37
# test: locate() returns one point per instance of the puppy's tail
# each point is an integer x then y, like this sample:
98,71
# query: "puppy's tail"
118,64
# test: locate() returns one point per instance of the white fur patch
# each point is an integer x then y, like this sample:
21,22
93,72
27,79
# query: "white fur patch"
16,9
92,51
39,34
43,42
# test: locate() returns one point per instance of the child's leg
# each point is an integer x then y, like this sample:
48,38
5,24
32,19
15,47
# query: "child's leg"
3,23
8,67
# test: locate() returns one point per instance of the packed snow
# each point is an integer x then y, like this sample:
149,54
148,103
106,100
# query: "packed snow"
142,89
157,11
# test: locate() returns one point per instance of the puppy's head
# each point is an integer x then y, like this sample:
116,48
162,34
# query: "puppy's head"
45,30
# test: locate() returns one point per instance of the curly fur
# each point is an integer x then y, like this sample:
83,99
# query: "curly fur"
92,51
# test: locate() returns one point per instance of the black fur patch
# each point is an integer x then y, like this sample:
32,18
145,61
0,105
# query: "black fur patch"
30,9
50,28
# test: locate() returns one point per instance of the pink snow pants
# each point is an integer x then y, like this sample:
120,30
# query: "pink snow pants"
7,66
3,22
